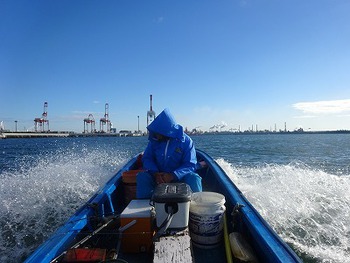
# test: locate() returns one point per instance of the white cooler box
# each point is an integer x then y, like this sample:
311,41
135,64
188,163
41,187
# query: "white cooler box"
177,196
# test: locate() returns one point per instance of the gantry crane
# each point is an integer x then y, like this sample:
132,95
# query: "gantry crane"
105,121
40,122
89,120
151,115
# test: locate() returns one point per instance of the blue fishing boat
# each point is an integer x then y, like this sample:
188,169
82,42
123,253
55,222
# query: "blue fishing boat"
113,226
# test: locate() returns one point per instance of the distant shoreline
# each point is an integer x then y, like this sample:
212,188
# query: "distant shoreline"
279,132
66,134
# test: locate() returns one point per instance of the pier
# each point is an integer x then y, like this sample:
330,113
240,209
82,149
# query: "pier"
6,135
65,134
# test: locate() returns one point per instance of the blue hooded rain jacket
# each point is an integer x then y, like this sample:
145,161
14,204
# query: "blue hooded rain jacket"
176,155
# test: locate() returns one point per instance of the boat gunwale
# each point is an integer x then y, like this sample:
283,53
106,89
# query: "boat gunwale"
257,225
66,234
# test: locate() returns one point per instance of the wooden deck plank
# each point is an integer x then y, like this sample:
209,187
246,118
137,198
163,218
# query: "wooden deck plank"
175,248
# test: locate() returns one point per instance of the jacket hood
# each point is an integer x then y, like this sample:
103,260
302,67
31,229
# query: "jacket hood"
166,125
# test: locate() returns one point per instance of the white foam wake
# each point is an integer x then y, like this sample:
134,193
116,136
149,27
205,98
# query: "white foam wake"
308,208
36,200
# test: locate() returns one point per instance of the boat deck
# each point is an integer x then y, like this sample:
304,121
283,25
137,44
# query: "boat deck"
109,239
200,255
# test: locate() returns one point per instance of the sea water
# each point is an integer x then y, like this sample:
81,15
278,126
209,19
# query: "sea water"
298,182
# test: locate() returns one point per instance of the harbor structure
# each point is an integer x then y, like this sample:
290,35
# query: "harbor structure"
105,121
151,115
89,121
39,123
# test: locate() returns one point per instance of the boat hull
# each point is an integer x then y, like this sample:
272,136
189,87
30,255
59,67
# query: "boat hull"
109,202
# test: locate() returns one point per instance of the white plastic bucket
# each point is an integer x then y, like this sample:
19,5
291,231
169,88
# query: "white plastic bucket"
206,219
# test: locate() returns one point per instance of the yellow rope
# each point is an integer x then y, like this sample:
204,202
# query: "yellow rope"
227,242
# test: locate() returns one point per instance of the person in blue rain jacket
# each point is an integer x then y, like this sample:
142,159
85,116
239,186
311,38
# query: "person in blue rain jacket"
170,156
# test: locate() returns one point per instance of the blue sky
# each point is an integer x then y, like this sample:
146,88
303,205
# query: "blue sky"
235,63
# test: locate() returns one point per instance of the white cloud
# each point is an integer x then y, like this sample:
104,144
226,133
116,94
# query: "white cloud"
324,107
305,117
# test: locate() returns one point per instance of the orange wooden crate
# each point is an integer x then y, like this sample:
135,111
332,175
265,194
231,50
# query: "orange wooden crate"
129,177
137,238
129,180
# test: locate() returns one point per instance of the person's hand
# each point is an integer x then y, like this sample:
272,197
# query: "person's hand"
161,178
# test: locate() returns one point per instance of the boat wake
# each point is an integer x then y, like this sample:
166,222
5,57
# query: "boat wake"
37,199
308,208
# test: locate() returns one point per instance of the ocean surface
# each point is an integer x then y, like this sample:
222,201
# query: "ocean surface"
300,183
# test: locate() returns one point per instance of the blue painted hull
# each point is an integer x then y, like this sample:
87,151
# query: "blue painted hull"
108,201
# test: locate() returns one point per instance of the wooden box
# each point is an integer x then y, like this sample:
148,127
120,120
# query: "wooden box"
129,181
138,237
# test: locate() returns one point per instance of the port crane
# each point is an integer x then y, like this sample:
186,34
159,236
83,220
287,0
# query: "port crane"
151,115
40,122
105,120
90,120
